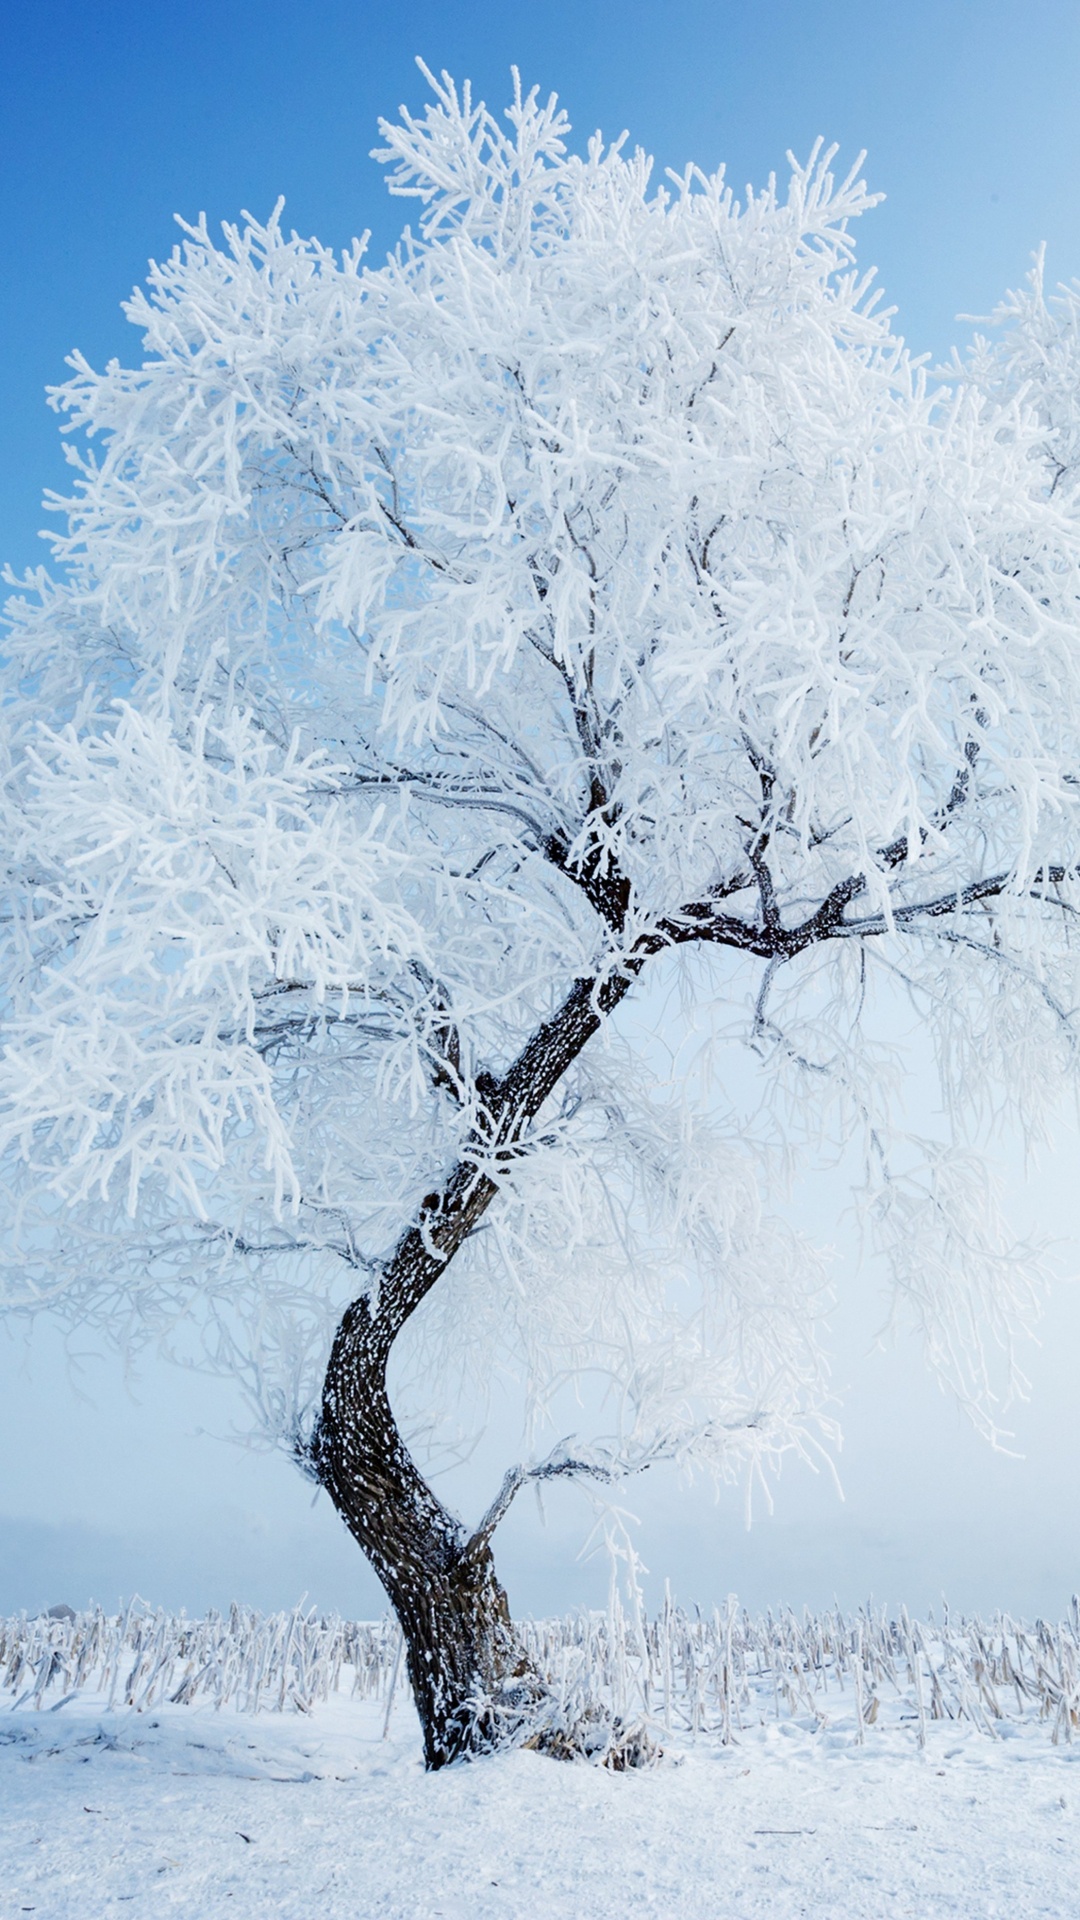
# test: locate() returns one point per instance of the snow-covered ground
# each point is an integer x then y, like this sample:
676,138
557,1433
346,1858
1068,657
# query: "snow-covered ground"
188,1811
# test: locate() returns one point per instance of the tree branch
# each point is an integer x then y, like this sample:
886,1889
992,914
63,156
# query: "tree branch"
558,1465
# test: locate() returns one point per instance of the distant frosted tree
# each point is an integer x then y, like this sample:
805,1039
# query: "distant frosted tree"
435,650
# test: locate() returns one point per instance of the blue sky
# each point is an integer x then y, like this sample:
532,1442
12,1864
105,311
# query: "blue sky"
114,117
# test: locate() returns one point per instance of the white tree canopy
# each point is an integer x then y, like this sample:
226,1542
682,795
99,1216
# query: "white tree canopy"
596,585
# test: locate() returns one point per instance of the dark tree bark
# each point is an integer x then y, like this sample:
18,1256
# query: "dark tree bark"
470,1678
468,1674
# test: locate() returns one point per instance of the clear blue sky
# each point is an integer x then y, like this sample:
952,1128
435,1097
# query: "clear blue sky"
114,115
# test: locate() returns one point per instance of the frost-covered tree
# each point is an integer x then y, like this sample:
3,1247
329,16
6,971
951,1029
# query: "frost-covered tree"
437,650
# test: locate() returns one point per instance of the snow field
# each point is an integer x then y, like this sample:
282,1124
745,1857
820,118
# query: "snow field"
830,1766
199,1813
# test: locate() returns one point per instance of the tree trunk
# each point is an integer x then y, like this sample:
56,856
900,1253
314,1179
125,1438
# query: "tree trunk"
470,1678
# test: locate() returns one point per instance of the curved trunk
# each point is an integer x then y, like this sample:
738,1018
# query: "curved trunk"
472,1683
469,1676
